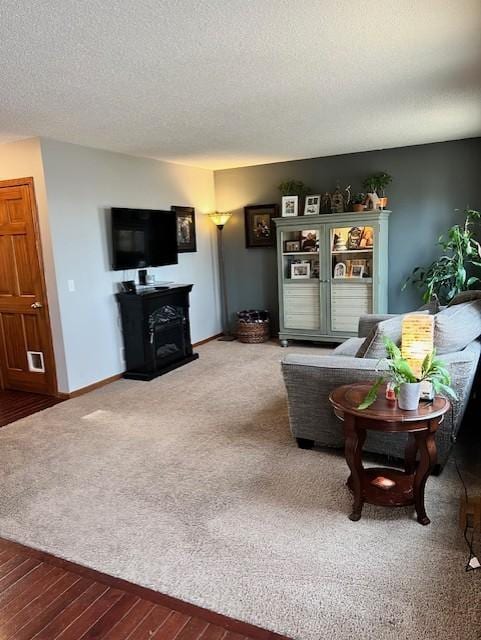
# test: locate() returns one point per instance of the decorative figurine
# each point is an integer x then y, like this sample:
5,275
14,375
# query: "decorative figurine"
372,201
326,203
337,201
354,238
339,244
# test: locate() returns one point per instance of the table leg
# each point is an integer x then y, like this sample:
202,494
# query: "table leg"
410,453
354,440
427,447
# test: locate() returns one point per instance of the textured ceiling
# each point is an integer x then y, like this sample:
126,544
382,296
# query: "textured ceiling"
223,83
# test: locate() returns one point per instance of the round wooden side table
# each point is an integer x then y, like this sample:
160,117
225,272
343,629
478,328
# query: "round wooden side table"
384,486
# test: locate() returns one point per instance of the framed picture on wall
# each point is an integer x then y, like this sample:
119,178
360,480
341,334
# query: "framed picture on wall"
259,227
186,238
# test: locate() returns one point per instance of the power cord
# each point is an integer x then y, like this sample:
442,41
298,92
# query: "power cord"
473,562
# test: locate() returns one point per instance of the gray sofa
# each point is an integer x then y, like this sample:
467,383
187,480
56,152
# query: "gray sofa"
310,379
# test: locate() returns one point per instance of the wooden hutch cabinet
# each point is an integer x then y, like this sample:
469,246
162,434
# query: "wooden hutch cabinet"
332,269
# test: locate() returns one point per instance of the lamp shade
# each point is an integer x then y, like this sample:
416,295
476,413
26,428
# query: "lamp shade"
219,219
417,340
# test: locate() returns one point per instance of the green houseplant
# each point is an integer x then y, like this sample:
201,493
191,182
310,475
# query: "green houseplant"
456,269
358,202
407,385
376,185
294,188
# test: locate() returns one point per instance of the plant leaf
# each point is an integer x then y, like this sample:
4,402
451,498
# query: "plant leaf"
371,395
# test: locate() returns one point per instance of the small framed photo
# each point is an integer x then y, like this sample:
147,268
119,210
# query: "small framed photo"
357,271
300,270
290,206
186,238
259,227
340,270
291,246
309,240
312,206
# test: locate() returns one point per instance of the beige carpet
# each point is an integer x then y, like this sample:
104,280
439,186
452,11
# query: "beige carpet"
192,485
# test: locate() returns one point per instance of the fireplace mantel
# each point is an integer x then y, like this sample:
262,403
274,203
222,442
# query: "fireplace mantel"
156,330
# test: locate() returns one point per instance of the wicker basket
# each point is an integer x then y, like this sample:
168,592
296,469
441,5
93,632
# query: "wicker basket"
253,332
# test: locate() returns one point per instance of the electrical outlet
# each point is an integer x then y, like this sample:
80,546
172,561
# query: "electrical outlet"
71,285
122,354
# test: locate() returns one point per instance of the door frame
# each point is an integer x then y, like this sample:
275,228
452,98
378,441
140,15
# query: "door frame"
52,375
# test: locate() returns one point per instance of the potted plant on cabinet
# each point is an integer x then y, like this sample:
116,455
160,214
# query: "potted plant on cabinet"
407,387
358,202
375,186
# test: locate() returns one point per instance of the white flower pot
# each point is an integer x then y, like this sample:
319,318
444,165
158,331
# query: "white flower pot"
409,394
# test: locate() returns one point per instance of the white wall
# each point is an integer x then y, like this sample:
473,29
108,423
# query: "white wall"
23,159
82,184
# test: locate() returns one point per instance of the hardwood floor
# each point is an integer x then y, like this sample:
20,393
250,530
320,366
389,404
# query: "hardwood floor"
15,405
47,598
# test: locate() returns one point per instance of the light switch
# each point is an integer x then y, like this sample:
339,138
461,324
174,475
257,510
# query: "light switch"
71,285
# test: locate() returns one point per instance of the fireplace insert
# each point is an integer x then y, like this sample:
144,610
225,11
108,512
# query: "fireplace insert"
167,335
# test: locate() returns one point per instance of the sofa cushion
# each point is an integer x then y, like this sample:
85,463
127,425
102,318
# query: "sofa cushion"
456,326
373,345
465,296
348,348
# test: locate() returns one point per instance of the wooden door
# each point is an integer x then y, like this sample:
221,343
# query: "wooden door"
26,354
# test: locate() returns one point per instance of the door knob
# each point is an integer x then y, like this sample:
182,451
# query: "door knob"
36,305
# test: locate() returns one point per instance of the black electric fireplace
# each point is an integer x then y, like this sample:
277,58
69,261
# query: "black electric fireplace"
156,331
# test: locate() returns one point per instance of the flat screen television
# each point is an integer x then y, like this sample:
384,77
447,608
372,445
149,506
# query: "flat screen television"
143,238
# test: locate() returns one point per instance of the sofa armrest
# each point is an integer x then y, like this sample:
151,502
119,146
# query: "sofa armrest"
344,363
309,381
370,320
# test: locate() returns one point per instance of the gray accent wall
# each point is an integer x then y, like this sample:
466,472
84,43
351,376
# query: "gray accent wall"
429,183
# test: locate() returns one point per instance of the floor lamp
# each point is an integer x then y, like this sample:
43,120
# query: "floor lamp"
220,219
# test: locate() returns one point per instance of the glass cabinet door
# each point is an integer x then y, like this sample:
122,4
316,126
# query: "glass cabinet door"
351,271
300,253
301,273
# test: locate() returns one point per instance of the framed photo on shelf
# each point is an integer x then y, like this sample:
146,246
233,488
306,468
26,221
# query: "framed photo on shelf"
291,246
300,270
309,240
259,227
312,206
290,206
186,238
367,238
357,271
340,270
